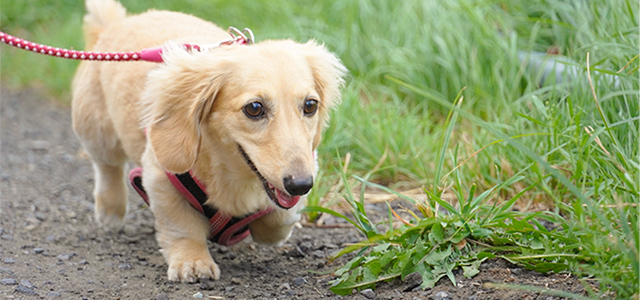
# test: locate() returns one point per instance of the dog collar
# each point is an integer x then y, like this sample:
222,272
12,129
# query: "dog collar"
224,230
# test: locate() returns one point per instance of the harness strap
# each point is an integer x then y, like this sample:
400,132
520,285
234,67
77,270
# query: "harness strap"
224,230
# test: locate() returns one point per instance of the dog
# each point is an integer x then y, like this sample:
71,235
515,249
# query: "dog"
245,120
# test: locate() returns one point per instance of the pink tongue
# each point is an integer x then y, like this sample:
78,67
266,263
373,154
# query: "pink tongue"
285,200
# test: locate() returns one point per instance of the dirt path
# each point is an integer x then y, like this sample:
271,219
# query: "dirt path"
50,247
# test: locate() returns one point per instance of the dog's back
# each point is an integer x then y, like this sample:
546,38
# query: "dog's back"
106,108
107,28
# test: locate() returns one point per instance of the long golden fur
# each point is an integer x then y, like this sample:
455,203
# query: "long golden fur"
194,109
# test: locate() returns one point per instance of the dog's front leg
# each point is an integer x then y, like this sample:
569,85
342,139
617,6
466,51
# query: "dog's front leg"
181,231
276,227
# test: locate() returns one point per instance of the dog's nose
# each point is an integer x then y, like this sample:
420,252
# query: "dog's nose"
297,186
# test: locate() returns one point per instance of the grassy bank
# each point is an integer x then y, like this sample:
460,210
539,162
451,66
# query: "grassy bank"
566,141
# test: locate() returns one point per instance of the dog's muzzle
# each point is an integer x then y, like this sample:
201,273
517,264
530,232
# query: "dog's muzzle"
283,199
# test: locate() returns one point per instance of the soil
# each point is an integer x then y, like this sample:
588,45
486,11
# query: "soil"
51,248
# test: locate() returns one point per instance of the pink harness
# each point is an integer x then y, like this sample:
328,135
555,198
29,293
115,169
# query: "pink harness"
224,230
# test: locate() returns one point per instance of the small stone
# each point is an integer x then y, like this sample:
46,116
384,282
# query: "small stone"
8,281
206,285
125,266
441,295
9,260
516,271
6,237
130,231
198,295
53,294
284,286
83,262
297,253
26,283
330,246
230,255
26,290
229,289
290,293
368,293
38,250
305,246
38,145
236,281
162,296
411,282
40,216
299,281
6,271
50,238
65,256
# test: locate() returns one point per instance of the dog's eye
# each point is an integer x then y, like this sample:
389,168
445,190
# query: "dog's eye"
310,107
254,110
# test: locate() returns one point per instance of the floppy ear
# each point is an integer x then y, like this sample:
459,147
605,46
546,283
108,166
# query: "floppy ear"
178,98
328,73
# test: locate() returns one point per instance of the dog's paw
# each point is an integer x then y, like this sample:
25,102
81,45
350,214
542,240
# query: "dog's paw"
190,271
108,212
109,221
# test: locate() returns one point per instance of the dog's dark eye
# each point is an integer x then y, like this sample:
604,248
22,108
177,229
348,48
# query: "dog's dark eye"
310,107
254,110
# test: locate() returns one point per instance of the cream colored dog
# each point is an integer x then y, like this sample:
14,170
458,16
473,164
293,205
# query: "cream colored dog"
244,119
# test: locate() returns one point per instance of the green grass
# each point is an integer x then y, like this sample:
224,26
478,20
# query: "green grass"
409,61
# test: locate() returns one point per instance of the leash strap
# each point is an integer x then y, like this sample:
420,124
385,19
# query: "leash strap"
150,54
224,230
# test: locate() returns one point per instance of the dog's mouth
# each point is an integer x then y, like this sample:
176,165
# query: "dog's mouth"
280,198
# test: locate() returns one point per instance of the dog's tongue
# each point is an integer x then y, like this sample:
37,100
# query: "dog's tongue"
285,200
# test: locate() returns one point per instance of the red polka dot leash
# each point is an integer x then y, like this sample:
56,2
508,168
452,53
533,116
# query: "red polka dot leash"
150,54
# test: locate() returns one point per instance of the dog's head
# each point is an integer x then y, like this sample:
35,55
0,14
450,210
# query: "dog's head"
266,104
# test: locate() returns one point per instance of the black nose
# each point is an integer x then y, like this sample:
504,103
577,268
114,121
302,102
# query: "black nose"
297,186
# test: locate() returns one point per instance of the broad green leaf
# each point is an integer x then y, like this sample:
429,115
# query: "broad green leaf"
381,247
536,243
371,271
459,235
436,235
473,268
436,257
348,266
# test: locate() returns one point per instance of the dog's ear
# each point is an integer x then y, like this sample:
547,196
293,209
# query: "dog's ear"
179,96
328,73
